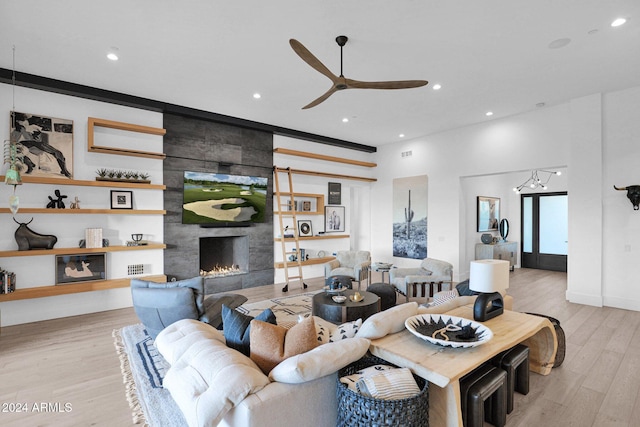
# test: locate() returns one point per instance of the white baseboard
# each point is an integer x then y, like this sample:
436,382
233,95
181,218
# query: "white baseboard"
585,299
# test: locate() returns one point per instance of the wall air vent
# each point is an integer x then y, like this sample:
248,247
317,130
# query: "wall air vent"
407,153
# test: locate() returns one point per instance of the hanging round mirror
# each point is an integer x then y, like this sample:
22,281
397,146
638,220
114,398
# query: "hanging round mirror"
504,229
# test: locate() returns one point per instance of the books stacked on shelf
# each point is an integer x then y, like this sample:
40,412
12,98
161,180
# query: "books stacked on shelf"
7,282
93,237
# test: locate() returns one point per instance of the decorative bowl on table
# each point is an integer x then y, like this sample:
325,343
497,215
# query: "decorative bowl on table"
448,331
328,289
339,298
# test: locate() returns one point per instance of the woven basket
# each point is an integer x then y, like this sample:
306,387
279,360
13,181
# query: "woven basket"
356,410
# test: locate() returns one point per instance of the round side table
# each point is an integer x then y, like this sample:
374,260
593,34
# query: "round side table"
323,306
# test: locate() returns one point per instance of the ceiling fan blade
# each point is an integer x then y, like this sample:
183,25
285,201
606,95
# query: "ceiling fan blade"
398,84
308,57
323,98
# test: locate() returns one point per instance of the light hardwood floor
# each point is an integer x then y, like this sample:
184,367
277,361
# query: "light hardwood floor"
73,360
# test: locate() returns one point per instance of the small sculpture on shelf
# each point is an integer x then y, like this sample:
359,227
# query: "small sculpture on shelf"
56,203
28,239
75,204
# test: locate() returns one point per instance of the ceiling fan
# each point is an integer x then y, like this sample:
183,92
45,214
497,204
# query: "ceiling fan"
341,82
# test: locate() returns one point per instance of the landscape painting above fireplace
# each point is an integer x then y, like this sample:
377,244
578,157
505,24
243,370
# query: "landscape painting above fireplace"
223,199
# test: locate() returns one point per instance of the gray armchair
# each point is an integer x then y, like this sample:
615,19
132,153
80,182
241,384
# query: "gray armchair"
354,264
412,282
158,305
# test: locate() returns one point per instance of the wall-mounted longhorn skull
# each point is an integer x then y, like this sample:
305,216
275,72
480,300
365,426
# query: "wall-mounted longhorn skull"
633,193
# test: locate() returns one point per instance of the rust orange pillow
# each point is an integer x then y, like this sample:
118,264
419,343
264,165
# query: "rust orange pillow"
271,344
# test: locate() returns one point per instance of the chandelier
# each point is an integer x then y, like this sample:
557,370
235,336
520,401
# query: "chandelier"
539,179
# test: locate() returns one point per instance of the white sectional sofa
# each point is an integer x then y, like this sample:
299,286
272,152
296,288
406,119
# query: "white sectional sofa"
213,384
216,385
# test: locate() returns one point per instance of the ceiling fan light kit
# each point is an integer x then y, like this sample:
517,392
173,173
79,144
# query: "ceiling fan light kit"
340,82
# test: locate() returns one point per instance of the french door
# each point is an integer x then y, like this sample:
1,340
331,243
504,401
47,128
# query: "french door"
544,231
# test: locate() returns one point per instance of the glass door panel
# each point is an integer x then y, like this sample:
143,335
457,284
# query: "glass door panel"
554,225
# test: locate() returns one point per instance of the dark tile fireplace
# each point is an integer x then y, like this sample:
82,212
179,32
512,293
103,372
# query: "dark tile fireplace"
196,144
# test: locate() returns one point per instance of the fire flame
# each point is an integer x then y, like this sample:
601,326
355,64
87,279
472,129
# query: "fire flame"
220,271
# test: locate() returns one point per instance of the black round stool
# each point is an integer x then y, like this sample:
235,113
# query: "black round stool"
386,293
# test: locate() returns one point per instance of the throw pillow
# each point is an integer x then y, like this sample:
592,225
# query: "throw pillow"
271,344
387,322
329,332
321,361
393,384
236,327
346,330
463,289
444,296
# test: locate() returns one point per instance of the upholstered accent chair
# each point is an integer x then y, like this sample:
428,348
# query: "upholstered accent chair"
413,282
354,264
158,305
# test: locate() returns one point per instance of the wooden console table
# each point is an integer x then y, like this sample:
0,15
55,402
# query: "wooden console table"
444,366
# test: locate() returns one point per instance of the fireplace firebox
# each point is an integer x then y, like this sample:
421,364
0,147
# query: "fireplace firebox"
224,256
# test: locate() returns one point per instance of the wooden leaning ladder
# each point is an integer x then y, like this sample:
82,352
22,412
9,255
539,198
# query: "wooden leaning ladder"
287,211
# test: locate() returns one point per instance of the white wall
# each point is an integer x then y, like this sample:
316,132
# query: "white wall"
621,224
594,139
39,270
518,143
355,198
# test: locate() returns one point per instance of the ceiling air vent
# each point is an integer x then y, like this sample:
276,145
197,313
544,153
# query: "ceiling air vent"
407,153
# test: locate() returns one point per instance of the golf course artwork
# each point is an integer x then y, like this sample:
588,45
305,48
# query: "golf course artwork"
219,199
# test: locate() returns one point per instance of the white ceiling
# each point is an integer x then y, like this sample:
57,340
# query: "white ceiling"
213,55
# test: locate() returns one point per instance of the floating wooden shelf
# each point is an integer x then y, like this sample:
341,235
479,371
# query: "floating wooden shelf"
113,184
323,157
73,251
300,197
311,261
332,175
74,288
323,237
89,211
93,122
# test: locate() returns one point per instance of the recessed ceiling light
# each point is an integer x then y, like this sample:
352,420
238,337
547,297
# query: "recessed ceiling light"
618,22
257,95
557,44
437,86
112,56
401,135
345,120
488,113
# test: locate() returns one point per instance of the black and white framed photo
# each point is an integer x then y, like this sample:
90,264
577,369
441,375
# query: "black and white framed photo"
80,268
333,219
488,213
305,228
121,199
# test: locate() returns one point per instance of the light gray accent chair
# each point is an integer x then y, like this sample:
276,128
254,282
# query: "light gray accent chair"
354,264
158,305
413,282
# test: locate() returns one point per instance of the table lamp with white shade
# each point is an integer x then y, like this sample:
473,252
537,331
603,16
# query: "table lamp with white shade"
490,277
